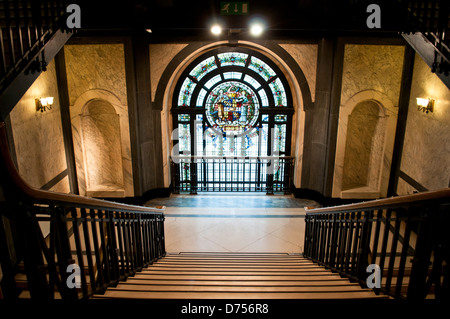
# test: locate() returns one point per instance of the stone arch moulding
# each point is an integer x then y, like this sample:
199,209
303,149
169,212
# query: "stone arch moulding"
76,112
383,139
298,84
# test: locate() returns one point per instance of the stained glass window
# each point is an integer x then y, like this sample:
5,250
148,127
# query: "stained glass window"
280,118
232,59
227,92
213,81
251,81
184,117
185,95
201,98
203,68
279,145
184,133
264,99
261,68
278,92
232,75
232,107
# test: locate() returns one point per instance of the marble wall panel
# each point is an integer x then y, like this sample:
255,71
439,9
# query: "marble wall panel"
96,66
372,67
97,72
370,73
38,136
160,57
426,150
306,57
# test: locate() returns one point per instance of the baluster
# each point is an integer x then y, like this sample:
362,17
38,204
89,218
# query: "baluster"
120,239
79,249
387,224
127,244
87,244
355,244
99,262
112,244
145,257
393,251
334,244
349,244
404,255
139,241
422,255
63,252
340,230
104,247
363,252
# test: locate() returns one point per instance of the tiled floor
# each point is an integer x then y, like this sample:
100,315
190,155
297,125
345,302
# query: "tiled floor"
235,223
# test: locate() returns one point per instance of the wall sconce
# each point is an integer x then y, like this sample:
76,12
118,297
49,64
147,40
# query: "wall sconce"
43,104
425,105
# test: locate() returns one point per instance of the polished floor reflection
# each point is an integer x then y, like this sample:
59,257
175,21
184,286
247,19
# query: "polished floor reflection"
234,222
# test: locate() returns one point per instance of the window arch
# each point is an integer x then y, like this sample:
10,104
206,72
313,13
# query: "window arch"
232,102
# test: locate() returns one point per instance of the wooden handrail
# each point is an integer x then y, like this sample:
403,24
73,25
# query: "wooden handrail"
385,202
48,197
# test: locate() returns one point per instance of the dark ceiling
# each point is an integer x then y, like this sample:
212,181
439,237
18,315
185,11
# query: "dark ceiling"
282,17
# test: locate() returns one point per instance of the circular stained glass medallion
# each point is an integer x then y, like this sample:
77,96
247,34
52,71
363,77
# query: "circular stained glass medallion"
232,107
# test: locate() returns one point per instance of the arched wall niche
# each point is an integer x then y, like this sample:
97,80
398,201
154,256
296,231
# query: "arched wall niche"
365,142
301,96
100,130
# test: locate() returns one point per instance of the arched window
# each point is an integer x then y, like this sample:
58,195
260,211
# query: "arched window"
232,102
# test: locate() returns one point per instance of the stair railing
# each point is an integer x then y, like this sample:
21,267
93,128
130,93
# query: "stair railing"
26,26
432,19
398,246
93,244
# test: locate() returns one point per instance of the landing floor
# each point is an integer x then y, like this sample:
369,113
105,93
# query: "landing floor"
240,222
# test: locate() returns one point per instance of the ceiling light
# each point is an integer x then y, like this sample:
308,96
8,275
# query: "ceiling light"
148,30
216,29
256,29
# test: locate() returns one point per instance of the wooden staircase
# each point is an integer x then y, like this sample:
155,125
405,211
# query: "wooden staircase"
236,276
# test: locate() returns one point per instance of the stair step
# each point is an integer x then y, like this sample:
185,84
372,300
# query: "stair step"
237,295
236,276
218,288
279,283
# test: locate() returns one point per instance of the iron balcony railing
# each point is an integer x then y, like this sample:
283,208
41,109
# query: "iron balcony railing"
398,246
92,244
232,174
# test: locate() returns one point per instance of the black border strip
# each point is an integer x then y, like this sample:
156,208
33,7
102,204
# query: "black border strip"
55,180
412,182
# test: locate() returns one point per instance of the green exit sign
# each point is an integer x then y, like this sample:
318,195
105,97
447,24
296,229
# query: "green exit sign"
233,8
